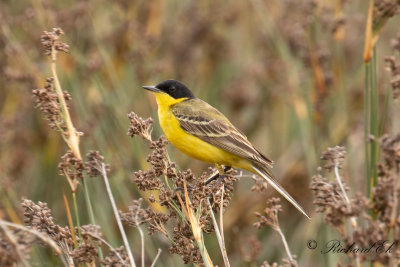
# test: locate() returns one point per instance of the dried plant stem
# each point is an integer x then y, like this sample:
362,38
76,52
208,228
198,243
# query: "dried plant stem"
108,245
73,143
393,229
196,229
14,243
73,138
69,217
219,233
142,243
344,194
285,244
221,225
339,180
43,237
141,235
368,44
395,204
156,257
117,217
346,199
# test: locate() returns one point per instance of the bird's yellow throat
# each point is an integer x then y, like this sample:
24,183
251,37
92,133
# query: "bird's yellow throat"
164,101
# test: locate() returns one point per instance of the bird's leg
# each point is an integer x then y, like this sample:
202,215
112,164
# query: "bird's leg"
189,188
220,169
220,174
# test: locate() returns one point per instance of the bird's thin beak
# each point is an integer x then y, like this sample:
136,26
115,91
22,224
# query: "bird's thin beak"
151,88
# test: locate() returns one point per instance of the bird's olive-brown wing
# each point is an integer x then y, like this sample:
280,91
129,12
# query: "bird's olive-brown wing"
200,119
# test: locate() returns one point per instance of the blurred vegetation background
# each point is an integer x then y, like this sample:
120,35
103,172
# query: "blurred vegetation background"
289,74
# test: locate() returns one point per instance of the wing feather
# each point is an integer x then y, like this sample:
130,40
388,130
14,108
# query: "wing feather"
198,118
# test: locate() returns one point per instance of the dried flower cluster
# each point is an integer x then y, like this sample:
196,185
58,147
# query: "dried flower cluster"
260,185
47,101
38,217
51,40
334,156
94,164
139,126
394,67
137,216
113,259
359,220
14,245
171,194
72,168
270,219
383,10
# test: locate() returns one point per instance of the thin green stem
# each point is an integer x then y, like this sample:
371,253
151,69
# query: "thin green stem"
78,221
88,202
91,213
367,126
203,252
374,119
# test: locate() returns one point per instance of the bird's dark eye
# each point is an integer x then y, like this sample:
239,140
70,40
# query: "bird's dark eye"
172,89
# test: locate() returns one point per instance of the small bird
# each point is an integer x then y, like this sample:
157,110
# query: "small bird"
204,133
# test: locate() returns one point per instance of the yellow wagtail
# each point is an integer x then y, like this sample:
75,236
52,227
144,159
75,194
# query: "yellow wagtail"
202,132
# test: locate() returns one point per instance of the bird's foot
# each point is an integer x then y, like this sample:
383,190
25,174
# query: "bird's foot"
189,189
217,175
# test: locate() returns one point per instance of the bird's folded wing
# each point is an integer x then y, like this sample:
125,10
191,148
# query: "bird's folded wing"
207,123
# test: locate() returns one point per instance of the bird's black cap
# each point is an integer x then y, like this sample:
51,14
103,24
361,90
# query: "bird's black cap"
174,88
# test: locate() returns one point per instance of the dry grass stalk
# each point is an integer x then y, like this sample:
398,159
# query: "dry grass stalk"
156,257
15,245
69,217
73,135
219,231
103,171
43,237
368,44
270,218
196,229
379,12
56,110
114,251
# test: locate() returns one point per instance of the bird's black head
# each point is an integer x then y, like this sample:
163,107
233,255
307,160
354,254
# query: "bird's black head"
174,88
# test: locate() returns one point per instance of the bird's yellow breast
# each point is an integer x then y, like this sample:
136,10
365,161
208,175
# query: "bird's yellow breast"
189,144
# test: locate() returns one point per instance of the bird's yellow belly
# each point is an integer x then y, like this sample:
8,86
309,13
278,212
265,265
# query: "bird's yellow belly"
194,146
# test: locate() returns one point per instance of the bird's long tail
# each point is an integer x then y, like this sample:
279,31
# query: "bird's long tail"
266,174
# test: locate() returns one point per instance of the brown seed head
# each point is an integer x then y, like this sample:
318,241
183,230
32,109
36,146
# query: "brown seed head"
94,164
47,101
333,156
139,126
51,40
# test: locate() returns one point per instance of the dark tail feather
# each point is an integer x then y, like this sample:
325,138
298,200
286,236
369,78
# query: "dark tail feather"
265,173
